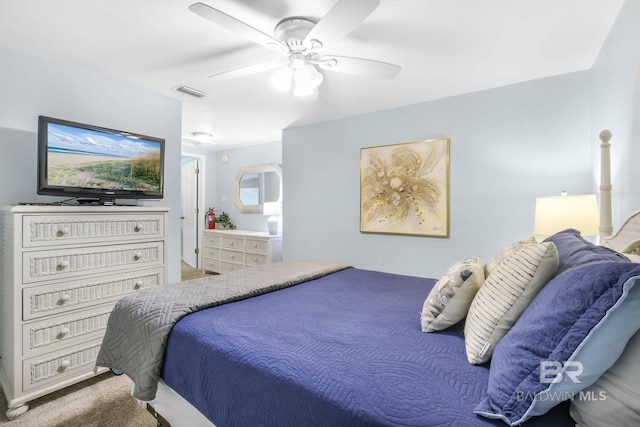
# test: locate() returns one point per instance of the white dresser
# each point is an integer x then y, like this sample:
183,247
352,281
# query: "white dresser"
63,269
228,250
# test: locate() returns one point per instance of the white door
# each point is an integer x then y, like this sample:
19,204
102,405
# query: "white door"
189,193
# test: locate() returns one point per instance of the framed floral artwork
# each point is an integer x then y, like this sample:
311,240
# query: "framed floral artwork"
404,188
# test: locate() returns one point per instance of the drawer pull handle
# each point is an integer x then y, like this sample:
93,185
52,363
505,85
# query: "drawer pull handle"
63,231
138,228
255,246
65,298
230,243
138,284
64,365
63,265
64,332
137,256
231,257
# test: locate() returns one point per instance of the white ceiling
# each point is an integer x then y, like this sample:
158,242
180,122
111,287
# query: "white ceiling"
445,48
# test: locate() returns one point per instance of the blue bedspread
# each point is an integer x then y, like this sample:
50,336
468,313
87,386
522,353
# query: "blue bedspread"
342,350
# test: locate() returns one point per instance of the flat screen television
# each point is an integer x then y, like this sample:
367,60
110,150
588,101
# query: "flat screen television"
98,164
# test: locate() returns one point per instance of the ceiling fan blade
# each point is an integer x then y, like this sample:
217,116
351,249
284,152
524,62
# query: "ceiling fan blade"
246,71
236,26
358,66
343,17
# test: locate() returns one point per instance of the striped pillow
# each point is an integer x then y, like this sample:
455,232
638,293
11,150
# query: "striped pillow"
504,295
504,253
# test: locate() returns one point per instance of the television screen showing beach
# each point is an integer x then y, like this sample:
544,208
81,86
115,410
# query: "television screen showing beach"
85,158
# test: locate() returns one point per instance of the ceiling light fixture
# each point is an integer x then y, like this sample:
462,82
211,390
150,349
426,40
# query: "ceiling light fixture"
202,137
299,76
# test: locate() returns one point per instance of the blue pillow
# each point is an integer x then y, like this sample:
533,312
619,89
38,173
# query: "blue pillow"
574,250
584,316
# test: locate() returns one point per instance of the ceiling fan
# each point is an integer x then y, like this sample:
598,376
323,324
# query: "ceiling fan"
300,41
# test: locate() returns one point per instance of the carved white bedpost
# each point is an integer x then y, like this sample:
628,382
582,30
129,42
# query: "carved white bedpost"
606,226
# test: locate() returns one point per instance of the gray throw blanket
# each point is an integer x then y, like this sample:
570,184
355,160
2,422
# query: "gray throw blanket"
139,325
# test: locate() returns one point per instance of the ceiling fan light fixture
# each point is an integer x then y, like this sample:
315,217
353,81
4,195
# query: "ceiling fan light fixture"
283,79
307,77
301,40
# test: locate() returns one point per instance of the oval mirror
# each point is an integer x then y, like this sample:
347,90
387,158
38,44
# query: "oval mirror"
257,184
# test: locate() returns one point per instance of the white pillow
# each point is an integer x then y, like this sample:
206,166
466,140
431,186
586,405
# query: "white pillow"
451,296
614,399
504,295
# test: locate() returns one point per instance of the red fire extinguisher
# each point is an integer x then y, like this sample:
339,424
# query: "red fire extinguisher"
210,219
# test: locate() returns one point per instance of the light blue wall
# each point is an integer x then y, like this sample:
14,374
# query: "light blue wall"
30,87
508,146
270,152
616,106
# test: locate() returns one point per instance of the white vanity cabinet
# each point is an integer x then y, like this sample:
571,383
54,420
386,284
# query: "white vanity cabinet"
63,269
229,250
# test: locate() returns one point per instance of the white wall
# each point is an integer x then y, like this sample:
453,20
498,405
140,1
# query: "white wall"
270,152
508,146
30,87
616,106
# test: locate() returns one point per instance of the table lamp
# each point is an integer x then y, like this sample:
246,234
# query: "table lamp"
557,213
272,210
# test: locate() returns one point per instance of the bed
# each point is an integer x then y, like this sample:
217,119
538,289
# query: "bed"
310,343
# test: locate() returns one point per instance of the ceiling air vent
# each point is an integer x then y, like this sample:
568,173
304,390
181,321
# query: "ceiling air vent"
191,91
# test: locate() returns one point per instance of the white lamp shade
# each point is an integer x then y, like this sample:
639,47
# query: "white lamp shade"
307,77
557,213
271,208
283,79
303,79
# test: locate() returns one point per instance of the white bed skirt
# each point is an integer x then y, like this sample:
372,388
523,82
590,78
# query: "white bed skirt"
175,409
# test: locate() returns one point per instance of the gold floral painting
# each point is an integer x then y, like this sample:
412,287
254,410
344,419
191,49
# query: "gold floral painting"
404,188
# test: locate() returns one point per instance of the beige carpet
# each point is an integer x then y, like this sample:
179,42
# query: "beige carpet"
103,401
187,272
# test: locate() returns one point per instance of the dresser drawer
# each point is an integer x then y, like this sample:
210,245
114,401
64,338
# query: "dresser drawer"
211,264
60,263
232,256
211,239
230,266
62,297
251,260
211,252
53,334
232,242
256,246
54,367
56,230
